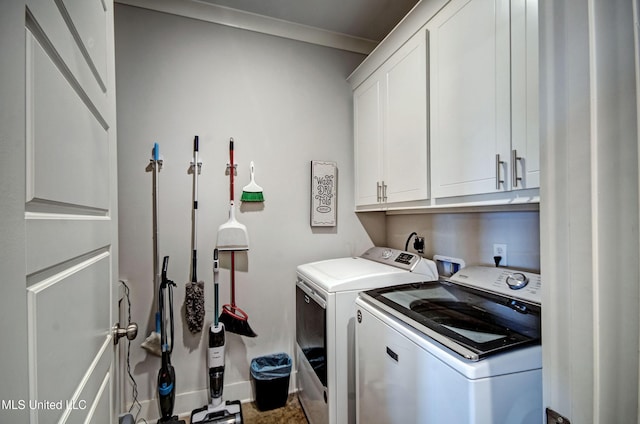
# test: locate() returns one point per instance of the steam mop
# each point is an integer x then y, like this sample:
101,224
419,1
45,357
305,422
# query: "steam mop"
217,411
167,374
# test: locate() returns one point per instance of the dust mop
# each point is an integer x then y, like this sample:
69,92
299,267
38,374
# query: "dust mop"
252,192
152,344
217,411
232,236
194,290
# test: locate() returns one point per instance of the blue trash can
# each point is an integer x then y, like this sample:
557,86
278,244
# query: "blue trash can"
271,374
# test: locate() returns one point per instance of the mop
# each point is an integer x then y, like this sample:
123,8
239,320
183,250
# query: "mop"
232,236
217,411
194,290
167,374
152,342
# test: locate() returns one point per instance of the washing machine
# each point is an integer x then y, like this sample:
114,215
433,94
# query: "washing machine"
325,324
465,349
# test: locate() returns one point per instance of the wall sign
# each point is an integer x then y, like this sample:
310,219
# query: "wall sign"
324,193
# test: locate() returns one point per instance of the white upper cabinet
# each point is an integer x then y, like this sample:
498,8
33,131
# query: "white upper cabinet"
390,125
368,142
484,98
525,128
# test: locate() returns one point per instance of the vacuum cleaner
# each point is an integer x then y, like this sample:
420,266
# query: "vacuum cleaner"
217,411
166,375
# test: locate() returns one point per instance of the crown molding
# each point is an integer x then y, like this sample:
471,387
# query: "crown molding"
257,23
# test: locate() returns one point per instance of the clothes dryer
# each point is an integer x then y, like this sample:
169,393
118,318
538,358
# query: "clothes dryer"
325,324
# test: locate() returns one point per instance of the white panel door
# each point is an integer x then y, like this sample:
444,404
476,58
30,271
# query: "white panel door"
525,126
368,141
62,210
405,161
470,97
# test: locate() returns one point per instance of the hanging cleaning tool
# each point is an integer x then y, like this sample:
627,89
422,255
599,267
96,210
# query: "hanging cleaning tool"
152,342
194,290
235,319
217,411
167,374
252,192
232,235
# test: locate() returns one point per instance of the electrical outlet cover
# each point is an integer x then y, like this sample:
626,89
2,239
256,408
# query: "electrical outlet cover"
501,250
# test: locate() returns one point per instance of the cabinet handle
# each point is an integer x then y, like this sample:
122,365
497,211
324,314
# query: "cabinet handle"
514,168
498,180
378,198
384,192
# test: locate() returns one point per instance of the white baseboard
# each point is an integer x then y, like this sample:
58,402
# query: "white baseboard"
188,401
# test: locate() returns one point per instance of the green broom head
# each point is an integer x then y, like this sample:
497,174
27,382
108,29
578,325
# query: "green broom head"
252,192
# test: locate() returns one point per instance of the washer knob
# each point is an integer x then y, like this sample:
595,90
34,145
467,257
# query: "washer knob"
386,253
517,280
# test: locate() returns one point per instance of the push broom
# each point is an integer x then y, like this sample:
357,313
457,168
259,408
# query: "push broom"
232,236
194,290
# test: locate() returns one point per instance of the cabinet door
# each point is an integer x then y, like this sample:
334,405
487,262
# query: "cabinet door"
404,156
470,97
525,134
368,139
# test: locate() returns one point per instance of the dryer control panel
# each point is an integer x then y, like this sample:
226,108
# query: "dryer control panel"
401,259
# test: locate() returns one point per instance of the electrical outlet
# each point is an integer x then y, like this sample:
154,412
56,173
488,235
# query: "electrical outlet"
418,244
501,250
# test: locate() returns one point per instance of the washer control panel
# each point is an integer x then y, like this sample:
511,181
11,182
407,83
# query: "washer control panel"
511,283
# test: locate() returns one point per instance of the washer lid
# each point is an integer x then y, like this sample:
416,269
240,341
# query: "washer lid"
471,322
344,274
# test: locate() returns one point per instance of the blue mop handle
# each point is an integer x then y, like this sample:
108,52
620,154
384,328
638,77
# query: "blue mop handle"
156,152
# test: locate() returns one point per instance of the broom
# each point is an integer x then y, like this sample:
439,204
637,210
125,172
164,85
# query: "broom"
235,319
233,236
194,290
252,192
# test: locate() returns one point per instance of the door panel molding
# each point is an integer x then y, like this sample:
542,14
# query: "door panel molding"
68,316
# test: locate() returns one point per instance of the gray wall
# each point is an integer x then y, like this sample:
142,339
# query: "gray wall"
285,103
470,236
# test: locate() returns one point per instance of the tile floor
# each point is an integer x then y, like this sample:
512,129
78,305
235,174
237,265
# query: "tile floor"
291,413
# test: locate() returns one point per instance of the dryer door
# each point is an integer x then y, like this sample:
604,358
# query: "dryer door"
311,328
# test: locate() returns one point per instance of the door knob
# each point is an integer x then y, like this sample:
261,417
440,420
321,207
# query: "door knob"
130,331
